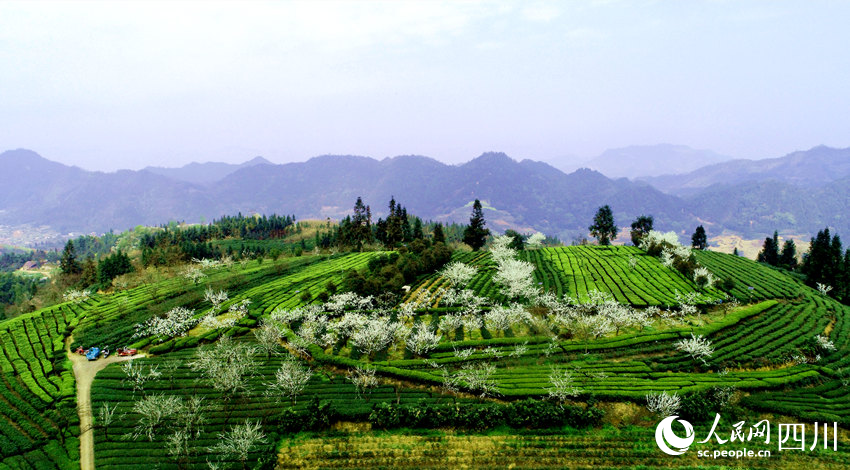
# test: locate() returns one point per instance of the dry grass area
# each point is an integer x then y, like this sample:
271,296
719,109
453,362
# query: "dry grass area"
726,243
608,447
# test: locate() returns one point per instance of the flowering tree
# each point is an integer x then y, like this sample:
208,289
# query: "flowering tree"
458,274
422,340
153,411
194,274
824,343
227,365
76,296
239,441
562,386
363,379
268,337
698,347
823,288
215,298
663,404
290,380
703,277
535,240
138,375
478,377
176,322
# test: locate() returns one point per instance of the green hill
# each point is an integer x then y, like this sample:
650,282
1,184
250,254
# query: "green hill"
498,400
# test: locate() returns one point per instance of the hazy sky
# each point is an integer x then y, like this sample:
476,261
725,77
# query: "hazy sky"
125,85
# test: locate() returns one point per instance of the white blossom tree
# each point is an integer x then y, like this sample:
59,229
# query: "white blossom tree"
363,379
290,380
175,322
535,240
423,340
268,337
824,343
153,411
137,375
239,441
458,274
478,378
698,347
663,404
227,365
562,386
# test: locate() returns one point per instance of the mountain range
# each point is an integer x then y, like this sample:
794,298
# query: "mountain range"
524,195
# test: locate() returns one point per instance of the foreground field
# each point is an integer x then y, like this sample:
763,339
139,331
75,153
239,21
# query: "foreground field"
762,350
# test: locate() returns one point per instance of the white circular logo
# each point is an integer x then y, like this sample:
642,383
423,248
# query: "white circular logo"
664,435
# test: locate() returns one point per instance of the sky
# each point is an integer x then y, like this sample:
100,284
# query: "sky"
109,85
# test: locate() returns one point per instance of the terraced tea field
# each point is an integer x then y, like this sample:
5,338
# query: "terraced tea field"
762,348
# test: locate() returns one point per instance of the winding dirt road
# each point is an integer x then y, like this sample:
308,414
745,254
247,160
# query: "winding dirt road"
84,372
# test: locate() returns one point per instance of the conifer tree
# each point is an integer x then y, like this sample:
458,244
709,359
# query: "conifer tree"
475,234
770,250
439,236
68,263
788,257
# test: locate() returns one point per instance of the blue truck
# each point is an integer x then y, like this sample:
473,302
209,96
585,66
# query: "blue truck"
93,353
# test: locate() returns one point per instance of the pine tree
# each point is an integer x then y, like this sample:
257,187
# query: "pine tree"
640,227
68,263
823,263
475,234
417,229
788,257
394,229
770,250
361,225
604,229
439,236
699,239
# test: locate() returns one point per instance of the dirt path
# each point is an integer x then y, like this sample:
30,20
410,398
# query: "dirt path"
84,372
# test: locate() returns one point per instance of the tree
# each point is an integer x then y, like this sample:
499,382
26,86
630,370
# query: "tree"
361,223
417,229
823,264
517,240
699,241
770,250
227,365
475,234
788,257
604,229
663,404
239,441
439,236
89,272
640,227
68,263
290,379
698,347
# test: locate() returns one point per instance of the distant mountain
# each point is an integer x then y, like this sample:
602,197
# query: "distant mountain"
810,168
652,160
204,173
526,195
36,191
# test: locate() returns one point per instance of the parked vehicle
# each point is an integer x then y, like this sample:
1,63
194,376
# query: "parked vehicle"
81,351
93,354
105,353
126,352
